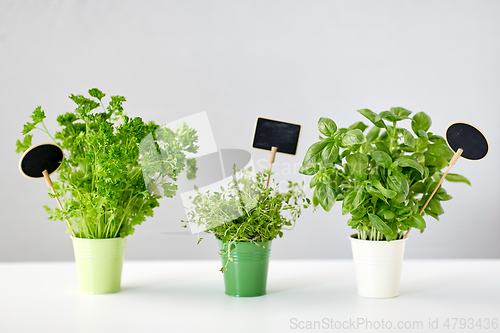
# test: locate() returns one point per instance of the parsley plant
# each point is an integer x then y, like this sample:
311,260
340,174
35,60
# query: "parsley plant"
101,179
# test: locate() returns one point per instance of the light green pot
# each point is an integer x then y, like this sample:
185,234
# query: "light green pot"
99,264
246,275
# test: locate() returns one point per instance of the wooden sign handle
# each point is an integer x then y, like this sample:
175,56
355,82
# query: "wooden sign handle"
452,163
51,186
271,161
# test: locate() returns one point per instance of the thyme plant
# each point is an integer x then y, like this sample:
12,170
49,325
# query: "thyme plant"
253,213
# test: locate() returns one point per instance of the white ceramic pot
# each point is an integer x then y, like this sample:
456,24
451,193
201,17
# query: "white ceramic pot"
378,266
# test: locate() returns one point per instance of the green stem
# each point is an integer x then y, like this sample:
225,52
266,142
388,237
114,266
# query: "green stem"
123,217
100,102
47,131
393,138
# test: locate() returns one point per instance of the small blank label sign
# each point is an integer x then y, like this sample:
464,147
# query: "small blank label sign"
469,138
39,158
272,133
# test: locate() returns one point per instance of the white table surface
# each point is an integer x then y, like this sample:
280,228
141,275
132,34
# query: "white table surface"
188,296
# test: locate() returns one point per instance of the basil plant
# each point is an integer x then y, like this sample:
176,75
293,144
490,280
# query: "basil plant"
383,175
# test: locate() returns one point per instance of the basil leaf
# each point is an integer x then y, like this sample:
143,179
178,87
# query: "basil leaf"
330,153
387,193
309,169
420,122
347,203
398,183
404,210
416,221
373,117
440,150
373,191
353,137
453,177
372,134
344,154
325,195
418,187
437,139
435,207
327,126
401,113
359,198
388,115
388,215
419,157
315,199
380,225
314,181
382,158
353,223
409,140
443,197
382,147
407,161
359,212
358,125
358,162
313,154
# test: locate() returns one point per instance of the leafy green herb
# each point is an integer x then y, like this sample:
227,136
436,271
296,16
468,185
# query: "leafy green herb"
253,213
101,180
383,178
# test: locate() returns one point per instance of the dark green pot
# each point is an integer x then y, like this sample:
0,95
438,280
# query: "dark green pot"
246,275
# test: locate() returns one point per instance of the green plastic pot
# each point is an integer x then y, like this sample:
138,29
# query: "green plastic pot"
99,264
246,275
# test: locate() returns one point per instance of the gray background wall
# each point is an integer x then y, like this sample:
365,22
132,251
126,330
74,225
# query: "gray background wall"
237,60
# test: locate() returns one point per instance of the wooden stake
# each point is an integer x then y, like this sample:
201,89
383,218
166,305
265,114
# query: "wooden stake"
274,150
452,163
51,186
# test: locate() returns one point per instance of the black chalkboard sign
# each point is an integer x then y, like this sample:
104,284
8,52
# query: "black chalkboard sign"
272,133
466,136
466,141
45,156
